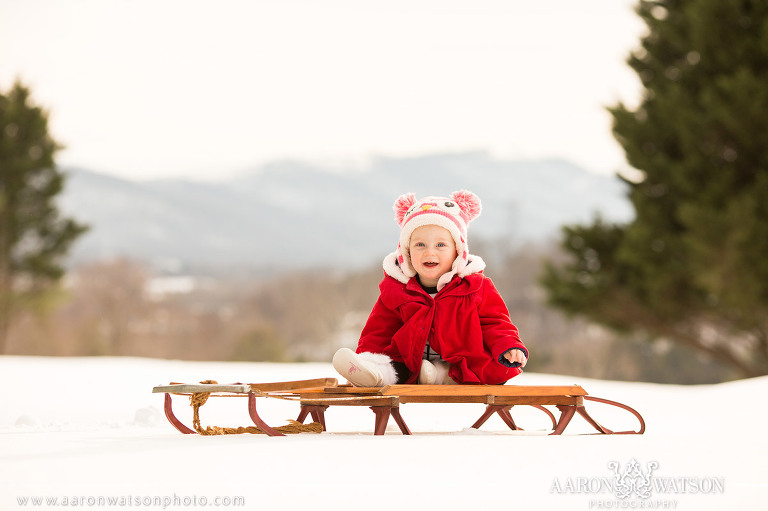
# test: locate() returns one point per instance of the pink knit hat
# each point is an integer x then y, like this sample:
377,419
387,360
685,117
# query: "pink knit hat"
452,213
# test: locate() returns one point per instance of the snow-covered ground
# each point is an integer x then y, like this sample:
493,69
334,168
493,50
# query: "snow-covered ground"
89,433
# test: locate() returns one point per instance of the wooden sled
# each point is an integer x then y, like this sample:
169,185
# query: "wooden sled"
316,396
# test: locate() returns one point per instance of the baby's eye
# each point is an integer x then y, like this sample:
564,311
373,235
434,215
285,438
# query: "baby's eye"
418,244
441,244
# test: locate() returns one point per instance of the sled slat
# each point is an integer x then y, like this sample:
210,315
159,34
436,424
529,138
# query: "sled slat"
191,388
317,383
462,391
244,388
349,389
388,401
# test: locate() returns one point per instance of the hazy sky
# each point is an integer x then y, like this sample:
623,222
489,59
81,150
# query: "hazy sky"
150,88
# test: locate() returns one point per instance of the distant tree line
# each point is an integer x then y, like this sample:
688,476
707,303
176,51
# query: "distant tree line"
106,309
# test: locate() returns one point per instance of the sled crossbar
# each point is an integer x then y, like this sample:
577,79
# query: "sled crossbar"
316,396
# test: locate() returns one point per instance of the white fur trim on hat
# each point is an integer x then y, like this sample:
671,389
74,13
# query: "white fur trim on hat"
452,213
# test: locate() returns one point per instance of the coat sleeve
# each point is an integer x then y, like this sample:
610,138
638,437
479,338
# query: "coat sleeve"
379,330
499,333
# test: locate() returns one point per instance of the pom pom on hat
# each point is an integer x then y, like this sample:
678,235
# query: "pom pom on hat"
402,205
469,203
452,213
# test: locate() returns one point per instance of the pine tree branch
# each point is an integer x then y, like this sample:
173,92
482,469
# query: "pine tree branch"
717,352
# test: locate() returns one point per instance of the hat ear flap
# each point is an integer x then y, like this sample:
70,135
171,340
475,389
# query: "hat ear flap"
402,205
469,203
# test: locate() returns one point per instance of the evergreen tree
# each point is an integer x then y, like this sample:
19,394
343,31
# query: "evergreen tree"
33,235
692,267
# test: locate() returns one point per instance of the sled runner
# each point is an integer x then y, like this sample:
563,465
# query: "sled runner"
316,396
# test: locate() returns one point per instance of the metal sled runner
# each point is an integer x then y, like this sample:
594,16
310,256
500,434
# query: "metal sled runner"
316,396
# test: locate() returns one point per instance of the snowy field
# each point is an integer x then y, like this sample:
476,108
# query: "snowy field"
87,433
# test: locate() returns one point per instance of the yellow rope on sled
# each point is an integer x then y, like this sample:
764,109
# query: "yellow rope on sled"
198,399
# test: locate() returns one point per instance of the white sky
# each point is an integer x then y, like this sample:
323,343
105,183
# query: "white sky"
161,88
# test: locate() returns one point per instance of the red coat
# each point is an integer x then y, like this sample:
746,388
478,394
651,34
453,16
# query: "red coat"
467,322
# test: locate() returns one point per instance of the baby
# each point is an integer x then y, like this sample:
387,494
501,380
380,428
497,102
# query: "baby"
438,319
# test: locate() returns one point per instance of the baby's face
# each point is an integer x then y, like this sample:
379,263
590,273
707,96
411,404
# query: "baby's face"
432,253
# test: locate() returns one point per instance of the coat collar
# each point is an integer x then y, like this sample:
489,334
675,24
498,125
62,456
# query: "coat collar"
475,264
396,291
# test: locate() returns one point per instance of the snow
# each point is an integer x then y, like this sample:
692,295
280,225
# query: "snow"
89,432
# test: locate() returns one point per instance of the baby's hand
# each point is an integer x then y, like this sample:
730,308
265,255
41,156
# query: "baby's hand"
516,356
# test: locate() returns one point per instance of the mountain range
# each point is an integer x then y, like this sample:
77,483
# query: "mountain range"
291,214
